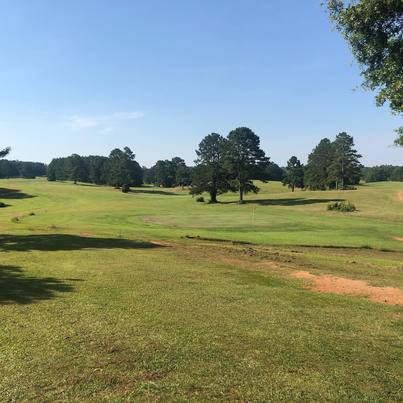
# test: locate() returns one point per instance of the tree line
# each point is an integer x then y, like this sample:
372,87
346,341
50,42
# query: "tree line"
119,170
333,165
383,173
21,169
224,164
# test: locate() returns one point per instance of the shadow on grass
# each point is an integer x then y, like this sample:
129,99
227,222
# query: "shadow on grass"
55,242
13,194
299,201
154,192
92,185
16,288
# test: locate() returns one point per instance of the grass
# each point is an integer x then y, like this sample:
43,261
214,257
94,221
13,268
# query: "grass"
92,309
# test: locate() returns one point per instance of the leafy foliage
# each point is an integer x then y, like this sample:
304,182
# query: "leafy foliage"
343,206
399,139
374,30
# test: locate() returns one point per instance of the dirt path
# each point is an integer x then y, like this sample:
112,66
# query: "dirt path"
345,286
400,195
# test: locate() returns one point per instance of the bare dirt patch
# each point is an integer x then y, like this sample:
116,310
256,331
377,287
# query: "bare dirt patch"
346,286
400,195
399,238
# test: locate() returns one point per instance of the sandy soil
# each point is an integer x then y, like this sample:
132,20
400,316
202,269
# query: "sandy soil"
400,196
345,286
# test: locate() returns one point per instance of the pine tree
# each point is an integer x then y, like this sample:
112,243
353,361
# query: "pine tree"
317,168
245,160
123,170
294,176
210,175
345,168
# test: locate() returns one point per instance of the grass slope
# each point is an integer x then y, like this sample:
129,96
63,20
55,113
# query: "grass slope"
91,310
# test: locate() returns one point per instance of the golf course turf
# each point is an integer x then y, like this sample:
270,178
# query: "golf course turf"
150,296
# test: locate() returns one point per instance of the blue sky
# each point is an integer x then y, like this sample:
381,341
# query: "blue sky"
87,76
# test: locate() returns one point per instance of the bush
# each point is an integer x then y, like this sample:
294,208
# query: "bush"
200,199
125,188
3,205
343,206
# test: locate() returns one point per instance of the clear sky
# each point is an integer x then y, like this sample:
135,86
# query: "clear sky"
86,76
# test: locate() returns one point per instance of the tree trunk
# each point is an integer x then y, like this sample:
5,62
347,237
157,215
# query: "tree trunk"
240,195
213,197
292,188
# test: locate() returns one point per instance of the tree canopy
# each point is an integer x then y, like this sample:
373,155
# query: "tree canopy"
294,174
333,164
118,170
317,168
345,168
374,31
210,174
245,160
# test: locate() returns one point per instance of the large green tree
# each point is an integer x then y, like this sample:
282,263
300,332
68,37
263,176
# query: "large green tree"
374,31
123,170
245,160
294,176
317,168
164,173
209,174
345,168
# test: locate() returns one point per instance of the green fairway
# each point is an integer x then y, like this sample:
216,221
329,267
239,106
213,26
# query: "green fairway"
274,216
102,296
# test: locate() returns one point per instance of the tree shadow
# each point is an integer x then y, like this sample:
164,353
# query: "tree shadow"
16,288
154,192
13,194
299,201
55,242
92,185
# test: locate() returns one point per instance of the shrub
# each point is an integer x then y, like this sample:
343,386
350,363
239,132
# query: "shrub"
3,205
200,199
125,188
343,206
15,220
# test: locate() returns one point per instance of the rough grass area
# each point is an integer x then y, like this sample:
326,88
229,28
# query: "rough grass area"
102,299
